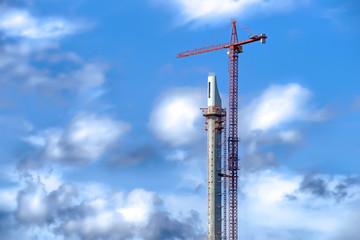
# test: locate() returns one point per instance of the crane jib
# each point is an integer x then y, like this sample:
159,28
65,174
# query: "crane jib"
218,47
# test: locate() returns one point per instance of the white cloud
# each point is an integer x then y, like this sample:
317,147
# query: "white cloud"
20,67
177,155
32,205
180,204
8,199
276,204
86,138
177,119
253,159
270,119
20,23
275,109
276,106
35,140
90,76
286,205
214,10
272,205
113,215
83,211
51,181
91,134
276,137
138,206
135,215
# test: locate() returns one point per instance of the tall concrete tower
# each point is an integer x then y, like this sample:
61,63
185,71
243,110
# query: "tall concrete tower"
213,116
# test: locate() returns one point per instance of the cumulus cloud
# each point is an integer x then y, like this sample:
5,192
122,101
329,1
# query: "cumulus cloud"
31,58
113,216
253,159
350,231
292,202
269,120
311,206
8,197
276,106
133,216
23,65
20,23
86,138
70,212
32,207
213,10
296,205
177,119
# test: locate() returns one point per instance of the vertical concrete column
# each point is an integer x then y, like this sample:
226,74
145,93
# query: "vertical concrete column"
214,159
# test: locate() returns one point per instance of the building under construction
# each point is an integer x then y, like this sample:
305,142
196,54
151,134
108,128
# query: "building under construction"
223,175
215,117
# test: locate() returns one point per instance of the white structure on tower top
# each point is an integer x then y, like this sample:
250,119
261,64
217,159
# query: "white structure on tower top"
214,99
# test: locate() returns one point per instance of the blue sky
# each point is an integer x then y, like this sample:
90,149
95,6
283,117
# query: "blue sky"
102,135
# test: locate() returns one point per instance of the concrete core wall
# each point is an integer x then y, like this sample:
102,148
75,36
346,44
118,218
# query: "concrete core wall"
214,159
214,184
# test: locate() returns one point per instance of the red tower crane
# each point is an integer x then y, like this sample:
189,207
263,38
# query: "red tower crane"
235,47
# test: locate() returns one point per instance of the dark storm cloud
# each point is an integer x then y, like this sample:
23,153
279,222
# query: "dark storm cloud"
315,186
321,187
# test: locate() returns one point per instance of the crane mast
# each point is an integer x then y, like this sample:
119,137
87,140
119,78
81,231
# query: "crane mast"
233,139
234,48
